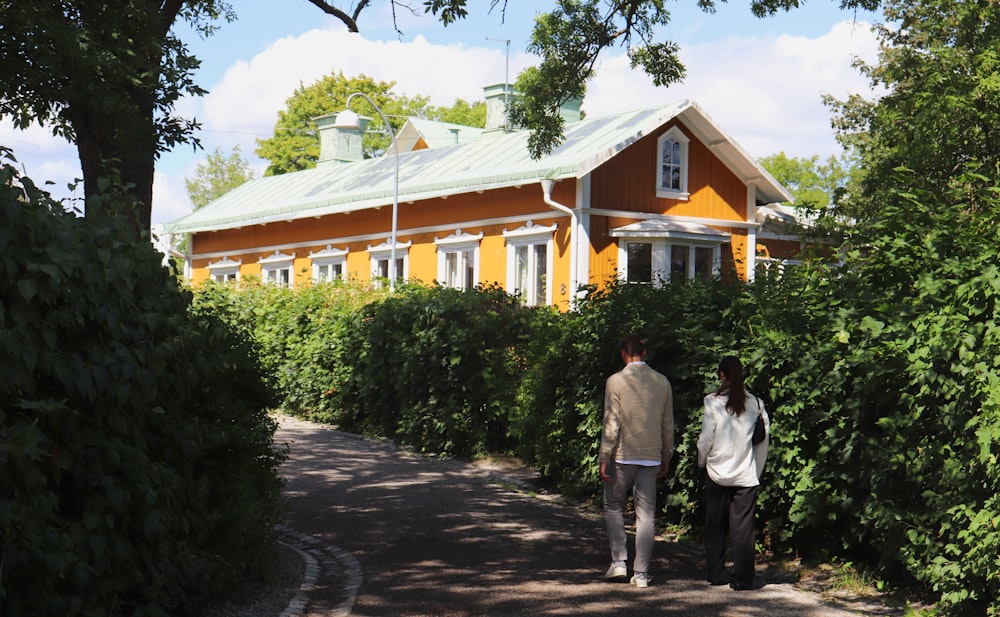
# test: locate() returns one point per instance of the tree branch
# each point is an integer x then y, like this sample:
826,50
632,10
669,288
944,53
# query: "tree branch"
348,20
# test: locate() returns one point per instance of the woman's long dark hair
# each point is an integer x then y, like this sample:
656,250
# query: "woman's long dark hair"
732,384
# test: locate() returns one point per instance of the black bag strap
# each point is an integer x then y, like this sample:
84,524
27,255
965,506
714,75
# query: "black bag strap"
759,430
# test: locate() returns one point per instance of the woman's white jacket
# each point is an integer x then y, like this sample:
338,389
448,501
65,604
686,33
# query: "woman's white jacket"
725,446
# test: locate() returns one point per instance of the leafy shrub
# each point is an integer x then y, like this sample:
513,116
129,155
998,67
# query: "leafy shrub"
435,367
298,333
139,473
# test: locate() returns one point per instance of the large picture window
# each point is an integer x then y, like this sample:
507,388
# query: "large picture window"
656,260
529,263
458,260
658,251
672,165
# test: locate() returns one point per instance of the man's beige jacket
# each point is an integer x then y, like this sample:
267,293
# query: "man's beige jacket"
638,416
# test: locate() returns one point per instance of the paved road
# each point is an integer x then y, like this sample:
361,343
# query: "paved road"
408,536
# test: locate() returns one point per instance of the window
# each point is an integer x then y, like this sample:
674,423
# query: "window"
640,262
658,260
660,250
672,166
458,260
529,262
531,273
277,269
225,270
328,272
329,265
380,256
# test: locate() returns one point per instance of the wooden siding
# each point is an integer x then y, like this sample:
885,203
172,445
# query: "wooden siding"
738,247
628,182
470,213
603,251
779,249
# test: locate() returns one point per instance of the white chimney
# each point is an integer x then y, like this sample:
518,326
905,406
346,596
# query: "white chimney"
340,137
497,97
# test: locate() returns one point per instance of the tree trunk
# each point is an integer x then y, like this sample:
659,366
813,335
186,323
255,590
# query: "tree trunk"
117,155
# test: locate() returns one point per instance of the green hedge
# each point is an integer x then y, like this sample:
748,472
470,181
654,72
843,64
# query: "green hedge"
434,368
139,470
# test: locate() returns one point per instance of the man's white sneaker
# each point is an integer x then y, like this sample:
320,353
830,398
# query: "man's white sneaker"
616,571
640,580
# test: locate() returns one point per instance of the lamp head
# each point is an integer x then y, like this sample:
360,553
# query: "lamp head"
347,119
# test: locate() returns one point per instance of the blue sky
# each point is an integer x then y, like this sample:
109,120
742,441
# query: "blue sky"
759,79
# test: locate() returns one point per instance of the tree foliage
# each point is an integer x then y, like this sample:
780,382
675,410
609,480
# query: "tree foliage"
295,143
938,70
218,175
139,470
106,76
916,319
813,185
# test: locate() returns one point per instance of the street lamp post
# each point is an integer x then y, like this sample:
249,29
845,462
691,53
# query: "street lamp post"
349,119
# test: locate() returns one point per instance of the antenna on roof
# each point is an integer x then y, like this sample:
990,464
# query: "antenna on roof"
506,71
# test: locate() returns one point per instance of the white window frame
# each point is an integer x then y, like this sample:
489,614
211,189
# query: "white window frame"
528,236
383,252
224,270
329,258
463,246
662,251
674,134
278,269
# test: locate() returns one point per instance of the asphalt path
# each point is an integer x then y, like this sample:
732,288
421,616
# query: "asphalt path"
400,534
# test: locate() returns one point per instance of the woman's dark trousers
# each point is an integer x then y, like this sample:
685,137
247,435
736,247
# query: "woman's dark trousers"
738,504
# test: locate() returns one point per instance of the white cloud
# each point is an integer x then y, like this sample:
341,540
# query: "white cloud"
765,93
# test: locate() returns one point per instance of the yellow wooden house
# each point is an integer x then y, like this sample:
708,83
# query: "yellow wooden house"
647,196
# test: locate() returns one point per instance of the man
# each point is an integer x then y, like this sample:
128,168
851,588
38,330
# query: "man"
636,446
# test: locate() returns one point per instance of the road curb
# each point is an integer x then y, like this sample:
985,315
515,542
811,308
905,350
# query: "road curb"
321,558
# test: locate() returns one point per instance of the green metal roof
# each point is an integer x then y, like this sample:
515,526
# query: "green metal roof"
497,160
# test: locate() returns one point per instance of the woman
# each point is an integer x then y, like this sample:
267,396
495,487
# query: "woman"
733,467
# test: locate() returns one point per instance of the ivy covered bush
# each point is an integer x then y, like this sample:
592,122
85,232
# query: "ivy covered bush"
888,396
441,366
139,471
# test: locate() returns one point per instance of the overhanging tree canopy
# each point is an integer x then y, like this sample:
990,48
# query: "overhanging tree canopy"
106,76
